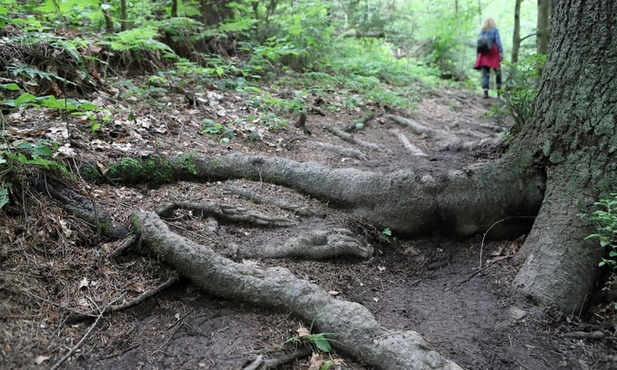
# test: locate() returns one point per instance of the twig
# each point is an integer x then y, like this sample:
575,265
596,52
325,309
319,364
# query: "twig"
489,229
126,244
585,335
255,364
133,302
81,341
273,363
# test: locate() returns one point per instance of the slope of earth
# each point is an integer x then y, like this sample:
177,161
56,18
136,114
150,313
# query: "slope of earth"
54,267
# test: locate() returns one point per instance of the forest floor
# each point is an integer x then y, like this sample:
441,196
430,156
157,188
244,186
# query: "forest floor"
54,266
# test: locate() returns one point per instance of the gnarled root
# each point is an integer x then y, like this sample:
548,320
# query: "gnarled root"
356,330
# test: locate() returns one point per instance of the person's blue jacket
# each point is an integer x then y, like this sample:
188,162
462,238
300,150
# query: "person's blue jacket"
493,33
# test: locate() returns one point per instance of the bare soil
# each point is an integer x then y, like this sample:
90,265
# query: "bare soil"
456,293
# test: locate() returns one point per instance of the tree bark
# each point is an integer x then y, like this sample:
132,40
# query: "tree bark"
573,134
516,33
353,327
123,15
543,28
174,8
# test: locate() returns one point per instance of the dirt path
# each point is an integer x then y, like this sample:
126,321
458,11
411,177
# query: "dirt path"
55,267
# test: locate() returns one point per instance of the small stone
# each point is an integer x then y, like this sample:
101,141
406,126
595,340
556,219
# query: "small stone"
517,313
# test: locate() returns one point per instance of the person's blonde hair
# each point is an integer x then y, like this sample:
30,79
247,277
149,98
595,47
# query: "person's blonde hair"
488,24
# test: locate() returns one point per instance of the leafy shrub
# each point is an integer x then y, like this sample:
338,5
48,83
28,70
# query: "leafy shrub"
605,220
519,92
26,155
606,229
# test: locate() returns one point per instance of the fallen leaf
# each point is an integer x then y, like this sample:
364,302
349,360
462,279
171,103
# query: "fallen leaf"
83,283
66,151
66,231
40,359
303,332
317,361
135,286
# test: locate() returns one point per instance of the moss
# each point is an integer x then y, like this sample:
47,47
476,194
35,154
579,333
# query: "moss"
556,157
158,170
187,163
155,170
90,174
546,148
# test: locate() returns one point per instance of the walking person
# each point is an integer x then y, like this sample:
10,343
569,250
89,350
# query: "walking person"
490,54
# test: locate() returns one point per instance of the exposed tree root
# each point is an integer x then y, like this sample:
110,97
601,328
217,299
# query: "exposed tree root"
272,363
366,118
460,202
345,152
414,150
83,208
420,128
446,140
352,139
261,199
228,213
316,244
356,330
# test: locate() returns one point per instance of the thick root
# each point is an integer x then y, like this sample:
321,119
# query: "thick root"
355,330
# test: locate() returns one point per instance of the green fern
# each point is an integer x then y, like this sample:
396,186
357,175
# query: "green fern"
137,39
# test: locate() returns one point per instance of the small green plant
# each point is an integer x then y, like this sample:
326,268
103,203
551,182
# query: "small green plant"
210,127
24,155
320,341
386,235
605,220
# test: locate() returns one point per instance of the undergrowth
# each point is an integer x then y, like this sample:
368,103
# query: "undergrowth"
519,93
605,221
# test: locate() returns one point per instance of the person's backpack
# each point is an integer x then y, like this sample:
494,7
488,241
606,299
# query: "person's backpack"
484,43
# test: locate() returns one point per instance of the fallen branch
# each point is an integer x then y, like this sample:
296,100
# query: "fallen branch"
357,332
594,335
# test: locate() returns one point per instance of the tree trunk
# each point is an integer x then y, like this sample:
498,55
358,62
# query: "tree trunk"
124,21
543,28
174,8
573,134
214,12
516,33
